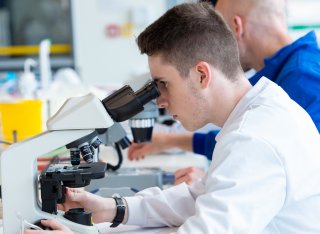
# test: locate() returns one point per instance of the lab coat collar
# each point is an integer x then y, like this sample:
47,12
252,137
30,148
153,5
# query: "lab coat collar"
244,104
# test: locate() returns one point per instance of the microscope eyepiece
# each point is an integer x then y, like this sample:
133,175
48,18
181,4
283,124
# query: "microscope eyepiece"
148,92
125,103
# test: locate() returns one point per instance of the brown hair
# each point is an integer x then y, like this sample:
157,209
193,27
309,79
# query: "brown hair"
189,33
213,2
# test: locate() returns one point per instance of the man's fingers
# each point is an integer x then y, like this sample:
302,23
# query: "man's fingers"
52,223
135,151
183,171
140,154
30,231
182,179
75,195
136,154
60,207
188,175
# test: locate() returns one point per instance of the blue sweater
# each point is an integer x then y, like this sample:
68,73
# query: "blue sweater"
295,68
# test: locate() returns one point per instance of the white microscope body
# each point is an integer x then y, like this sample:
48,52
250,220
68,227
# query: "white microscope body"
77,118
19,166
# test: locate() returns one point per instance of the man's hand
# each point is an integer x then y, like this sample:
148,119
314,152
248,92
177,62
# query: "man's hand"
188,175
57,228
159,143
102,209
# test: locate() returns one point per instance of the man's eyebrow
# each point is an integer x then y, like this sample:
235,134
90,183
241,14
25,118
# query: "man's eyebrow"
157,78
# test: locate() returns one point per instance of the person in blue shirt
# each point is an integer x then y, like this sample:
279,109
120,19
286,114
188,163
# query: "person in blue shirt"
265,45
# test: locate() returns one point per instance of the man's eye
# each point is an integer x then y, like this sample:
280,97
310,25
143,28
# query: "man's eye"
163,84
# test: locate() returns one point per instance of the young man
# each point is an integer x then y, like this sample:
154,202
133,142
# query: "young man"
264,178
260,29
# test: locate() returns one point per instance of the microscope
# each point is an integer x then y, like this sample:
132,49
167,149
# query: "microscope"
126,181
77,125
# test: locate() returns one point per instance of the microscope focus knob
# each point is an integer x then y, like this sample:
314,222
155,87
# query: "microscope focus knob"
78,215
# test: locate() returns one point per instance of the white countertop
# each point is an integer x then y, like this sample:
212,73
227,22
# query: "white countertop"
167,162
127,229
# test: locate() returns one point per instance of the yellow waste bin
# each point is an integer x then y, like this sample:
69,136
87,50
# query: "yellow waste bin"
20,119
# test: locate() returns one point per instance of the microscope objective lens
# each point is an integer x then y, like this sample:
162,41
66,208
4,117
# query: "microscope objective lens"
75,156
96,142
86,153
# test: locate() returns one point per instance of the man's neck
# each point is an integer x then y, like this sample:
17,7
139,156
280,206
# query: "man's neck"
268,47
235,94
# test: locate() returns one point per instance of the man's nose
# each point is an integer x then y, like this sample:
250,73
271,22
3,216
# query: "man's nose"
162,101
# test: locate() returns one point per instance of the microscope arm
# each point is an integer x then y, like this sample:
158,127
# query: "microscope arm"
116,137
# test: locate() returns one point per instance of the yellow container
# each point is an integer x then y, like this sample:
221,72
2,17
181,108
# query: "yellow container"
20,119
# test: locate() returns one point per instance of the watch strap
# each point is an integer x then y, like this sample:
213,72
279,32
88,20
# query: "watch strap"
121,209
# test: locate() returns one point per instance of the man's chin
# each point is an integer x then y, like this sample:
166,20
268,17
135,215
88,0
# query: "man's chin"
189,127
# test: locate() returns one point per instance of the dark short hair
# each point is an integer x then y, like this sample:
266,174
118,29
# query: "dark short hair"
213,2
189,33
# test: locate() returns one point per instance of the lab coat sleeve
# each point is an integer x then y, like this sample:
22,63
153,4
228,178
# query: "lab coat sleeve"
154,207
245,188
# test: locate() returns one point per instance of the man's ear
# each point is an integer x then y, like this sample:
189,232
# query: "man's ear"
204,73
237,24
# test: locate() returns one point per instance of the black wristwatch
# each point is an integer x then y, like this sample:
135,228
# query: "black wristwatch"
121,209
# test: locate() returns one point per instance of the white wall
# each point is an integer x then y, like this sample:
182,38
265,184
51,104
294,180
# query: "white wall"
303,16
104,60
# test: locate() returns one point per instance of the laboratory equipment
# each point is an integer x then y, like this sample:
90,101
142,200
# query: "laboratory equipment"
127,181
131,180
142,123
44,60
27,81
116,137
20,119
76,124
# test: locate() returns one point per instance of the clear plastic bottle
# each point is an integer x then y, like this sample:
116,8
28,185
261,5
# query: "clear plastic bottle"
27,82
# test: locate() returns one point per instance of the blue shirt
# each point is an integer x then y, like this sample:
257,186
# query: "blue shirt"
295,68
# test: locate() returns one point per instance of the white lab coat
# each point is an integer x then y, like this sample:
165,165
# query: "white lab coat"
264,177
